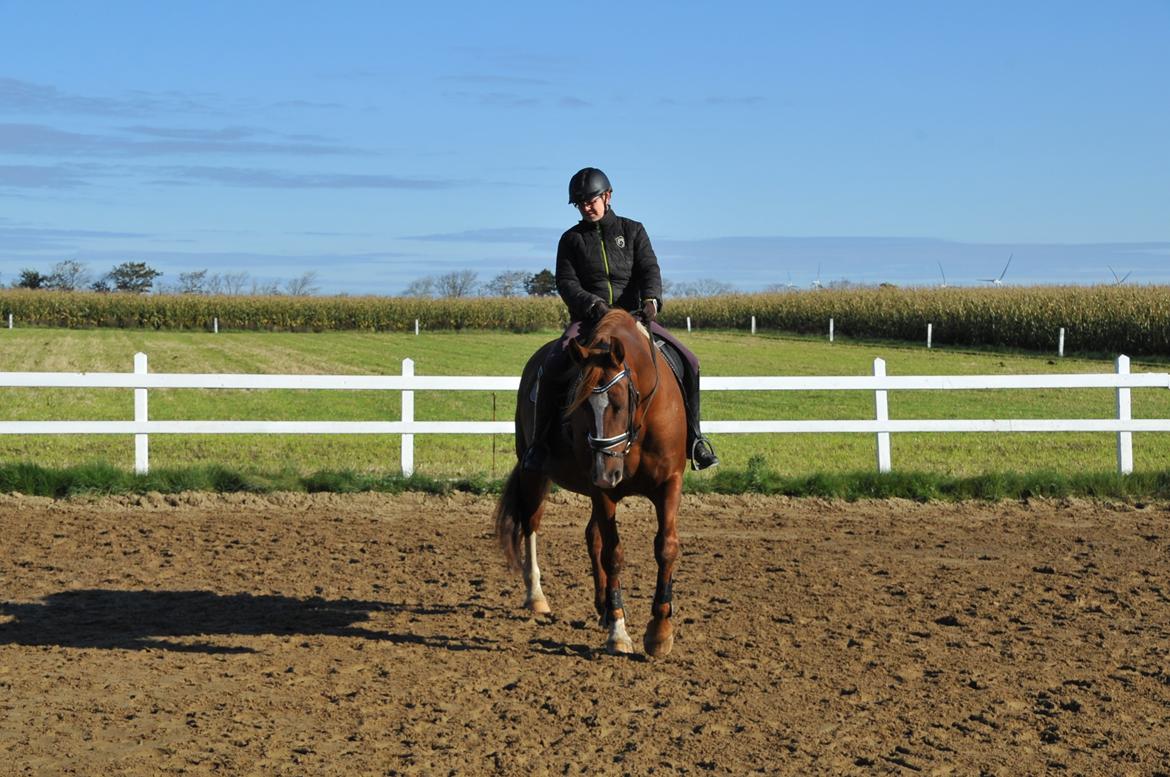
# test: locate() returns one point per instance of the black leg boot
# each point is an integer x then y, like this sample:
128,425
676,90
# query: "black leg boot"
544,414
702,455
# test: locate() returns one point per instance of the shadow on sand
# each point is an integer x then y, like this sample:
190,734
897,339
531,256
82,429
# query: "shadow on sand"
149,620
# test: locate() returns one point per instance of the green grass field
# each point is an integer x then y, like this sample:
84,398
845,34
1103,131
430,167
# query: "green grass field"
480,353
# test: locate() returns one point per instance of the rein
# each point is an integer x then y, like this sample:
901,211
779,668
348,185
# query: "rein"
605,445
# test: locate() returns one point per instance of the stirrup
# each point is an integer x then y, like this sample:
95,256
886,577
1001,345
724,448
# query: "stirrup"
702,454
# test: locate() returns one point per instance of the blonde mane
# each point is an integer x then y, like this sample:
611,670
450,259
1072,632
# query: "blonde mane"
609,328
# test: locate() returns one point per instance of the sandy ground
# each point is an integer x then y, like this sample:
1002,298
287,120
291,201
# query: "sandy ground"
352,635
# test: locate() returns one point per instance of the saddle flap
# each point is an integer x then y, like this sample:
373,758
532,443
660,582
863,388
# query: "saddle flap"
671,357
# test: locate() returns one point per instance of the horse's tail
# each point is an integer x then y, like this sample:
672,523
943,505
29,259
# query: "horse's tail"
509,518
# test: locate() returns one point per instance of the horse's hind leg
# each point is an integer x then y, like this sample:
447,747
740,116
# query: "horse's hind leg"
534,599
659,637
605,556
517,518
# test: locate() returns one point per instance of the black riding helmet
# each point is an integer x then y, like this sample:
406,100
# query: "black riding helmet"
587,184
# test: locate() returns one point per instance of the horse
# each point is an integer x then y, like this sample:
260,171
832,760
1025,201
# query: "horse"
623,433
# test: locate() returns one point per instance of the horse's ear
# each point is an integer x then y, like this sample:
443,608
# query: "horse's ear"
577,352
617,352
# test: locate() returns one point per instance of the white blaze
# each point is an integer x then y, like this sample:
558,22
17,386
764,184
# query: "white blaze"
599,402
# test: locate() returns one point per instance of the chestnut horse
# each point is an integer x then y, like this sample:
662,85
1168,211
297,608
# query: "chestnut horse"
624,432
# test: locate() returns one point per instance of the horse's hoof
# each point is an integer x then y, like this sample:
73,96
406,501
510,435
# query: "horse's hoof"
538,606
619,647
659,638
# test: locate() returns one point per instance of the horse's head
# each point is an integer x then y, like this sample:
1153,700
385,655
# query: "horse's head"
603,412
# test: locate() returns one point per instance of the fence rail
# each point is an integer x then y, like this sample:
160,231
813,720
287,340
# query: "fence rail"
882,426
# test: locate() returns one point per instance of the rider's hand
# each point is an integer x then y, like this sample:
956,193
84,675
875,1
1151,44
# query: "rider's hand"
597,310
650,309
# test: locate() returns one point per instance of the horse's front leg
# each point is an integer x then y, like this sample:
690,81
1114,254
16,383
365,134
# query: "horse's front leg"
659,637
605,556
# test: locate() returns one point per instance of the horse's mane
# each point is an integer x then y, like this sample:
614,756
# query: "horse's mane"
615,325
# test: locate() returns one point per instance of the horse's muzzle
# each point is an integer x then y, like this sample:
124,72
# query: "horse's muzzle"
608,477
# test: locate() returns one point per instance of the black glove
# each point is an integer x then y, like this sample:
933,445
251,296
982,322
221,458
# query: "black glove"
650,309
597,310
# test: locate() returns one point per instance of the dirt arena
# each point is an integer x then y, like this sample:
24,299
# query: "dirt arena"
372,634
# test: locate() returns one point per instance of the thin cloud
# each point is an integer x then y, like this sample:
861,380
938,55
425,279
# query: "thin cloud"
40,177
25,97
40,140
179,133
20,238
525,235
273,179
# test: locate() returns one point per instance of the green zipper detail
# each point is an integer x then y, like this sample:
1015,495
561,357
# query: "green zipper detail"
605,261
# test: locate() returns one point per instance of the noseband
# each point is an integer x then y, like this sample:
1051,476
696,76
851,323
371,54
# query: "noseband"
605,445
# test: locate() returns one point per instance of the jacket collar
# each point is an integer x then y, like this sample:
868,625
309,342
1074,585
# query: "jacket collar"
607,221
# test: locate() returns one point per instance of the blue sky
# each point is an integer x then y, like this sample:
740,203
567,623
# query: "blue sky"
759,142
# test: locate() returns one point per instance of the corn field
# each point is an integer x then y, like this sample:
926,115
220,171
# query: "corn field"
1101,319
77,310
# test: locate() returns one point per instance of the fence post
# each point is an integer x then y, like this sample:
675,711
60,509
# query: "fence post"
688,323
216,325
141,441
1060,344
1124,413
416,327
407,417
929,334
881,413
753,325
9,320
830,330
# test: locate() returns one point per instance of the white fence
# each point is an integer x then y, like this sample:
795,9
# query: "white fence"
882,426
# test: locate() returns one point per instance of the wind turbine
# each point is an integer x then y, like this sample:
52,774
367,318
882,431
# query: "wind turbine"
944,276
1118,281
999,281
817,283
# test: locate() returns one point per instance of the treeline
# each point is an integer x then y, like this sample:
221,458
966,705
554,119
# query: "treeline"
141,278
1134,320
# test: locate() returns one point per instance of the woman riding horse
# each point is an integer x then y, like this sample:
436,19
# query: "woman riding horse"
607,261
625,434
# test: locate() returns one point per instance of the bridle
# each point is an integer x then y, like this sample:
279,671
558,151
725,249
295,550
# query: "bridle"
605,445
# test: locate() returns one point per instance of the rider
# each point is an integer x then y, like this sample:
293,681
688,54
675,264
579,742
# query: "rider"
607,261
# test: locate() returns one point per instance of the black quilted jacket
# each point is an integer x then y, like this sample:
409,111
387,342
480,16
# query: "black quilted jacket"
612,261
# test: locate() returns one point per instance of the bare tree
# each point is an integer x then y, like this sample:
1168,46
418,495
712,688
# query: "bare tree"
460,283
193,282
264,288
711,287
69,275
214,284
303,286
420,287
235,282
704,287
510,283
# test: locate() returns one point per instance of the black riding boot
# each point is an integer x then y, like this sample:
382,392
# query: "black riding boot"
702,455
544,414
